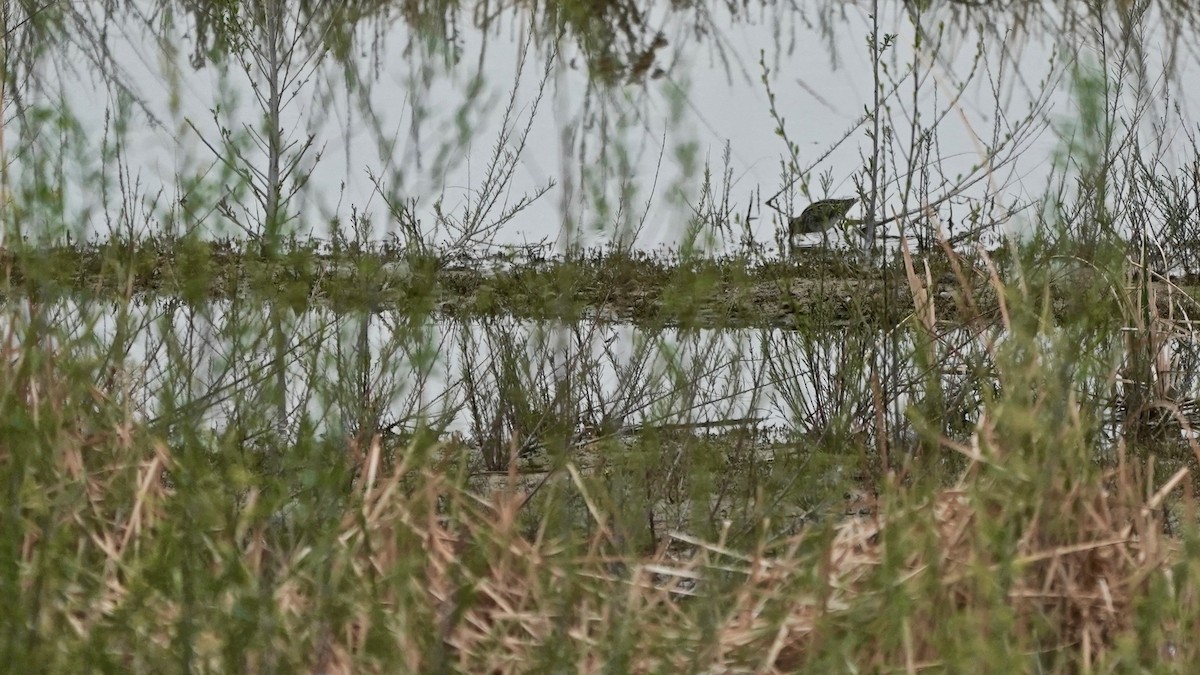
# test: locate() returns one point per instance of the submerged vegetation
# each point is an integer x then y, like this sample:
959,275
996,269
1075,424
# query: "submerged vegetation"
243,433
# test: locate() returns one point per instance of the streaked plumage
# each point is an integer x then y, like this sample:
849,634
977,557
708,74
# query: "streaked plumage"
818,217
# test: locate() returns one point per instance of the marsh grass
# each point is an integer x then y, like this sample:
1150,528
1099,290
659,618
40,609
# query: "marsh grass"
1034,558
726,291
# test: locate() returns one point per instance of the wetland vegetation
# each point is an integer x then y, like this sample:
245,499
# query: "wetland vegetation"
244,431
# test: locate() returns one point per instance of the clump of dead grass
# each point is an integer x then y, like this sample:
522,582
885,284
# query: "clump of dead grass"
506,603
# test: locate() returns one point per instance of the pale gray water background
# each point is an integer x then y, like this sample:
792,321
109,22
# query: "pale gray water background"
621,374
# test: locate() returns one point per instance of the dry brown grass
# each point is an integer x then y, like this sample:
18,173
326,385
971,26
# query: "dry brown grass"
499,601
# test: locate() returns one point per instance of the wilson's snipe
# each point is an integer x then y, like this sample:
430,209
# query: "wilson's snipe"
818,217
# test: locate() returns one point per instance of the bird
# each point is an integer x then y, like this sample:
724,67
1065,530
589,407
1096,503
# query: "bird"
818,217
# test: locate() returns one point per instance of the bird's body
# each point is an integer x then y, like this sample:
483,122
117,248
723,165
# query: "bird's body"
819,217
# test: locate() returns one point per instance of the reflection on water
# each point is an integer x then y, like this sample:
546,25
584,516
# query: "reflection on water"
502,377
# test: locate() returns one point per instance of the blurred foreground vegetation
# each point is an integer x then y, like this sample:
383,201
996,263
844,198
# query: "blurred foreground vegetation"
265,453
